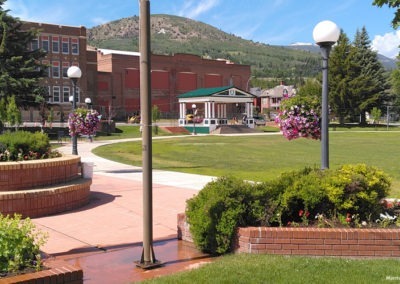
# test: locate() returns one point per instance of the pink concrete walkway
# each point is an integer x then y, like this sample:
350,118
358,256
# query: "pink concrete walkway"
104,237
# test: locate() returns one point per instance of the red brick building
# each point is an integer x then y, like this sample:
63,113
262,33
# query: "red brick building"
65,46
119,79
110,78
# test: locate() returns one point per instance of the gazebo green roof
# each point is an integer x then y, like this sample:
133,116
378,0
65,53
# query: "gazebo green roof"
205,92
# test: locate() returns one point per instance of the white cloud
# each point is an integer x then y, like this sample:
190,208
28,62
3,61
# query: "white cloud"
17,9
193,9
388,44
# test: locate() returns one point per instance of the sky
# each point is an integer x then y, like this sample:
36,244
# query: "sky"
274,22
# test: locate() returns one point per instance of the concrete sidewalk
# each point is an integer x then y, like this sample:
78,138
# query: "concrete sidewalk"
104,237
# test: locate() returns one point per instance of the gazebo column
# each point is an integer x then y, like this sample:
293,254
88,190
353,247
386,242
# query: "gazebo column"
207,110
182,114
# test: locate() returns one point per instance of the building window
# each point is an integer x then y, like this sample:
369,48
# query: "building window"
66,94
65,66
65,45
35,44
56,94
45,43
55,69
55,44
46,68
49,96
74,46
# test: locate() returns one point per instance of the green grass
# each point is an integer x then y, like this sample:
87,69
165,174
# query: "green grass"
126,131
262,158
250,268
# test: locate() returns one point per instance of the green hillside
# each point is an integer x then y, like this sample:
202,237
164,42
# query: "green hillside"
172,34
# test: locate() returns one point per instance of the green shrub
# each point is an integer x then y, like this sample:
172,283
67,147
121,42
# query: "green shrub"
358,189
349,195
24,145
219,208
19,244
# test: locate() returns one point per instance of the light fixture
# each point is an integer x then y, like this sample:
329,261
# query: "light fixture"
74,73
325,34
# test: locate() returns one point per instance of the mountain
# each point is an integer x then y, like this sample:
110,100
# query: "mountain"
173,34
388,63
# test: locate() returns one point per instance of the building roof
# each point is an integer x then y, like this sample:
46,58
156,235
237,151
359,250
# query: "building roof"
113,51
220,94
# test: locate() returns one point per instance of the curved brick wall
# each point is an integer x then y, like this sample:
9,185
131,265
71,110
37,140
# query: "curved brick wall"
43,187
38,173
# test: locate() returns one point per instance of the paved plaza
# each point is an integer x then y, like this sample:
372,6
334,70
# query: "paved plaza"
104,237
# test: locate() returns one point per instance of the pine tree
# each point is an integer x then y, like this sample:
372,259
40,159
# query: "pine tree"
343,70
372,78
20,68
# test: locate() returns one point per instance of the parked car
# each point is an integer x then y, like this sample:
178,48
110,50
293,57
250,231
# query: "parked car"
259,120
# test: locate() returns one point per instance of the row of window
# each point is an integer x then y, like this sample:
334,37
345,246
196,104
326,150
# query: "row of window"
56,44
55,67
61,94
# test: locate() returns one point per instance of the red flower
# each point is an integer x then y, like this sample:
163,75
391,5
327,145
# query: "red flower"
348,219
301,212
307,214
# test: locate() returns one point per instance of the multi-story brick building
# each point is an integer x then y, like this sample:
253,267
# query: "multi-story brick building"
110,78
65,46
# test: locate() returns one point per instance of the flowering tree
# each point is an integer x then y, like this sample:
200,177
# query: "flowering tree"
299,116
83,121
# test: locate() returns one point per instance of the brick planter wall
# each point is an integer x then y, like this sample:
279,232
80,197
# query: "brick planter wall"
42,187
312,241
46,201
59,272
38,173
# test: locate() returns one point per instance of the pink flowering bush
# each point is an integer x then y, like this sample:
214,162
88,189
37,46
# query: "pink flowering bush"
83,121
299,117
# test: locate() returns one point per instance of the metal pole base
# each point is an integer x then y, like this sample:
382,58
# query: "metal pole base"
153,263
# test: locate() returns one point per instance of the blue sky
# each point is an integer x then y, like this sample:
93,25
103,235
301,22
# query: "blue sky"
275,22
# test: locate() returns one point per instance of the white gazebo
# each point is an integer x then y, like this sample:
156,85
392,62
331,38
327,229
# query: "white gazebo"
210,107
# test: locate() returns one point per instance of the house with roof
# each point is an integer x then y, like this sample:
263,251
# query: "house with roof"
270,99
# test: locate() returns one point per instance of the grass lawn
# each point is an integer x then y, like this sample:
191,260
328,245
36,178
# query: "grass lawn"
261,158
250,268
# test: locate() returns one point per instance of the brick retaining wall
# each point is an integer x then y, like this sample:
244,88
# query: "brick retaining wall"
311,241
46,201
59,272
38,173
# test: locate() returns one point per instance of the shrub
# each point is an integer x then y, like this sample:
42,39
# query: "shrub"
19,244
24,145
358,189
350,195
219,208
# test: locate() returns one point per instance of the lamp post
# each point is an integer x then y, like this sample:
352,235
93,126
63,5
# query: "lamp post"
325,34
88,103
74,73
194,121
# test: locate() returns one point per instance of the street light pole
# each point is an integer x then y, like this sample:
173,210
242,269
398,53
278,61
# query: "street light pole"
88,103
325,34
194,121
148,259
74,73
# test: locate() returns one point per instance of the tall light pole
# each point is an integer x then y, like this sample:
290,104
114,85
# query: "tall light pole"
325,34
194,121
74,73
148,259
